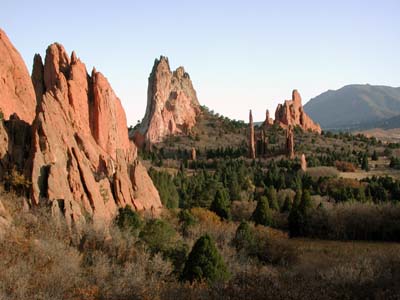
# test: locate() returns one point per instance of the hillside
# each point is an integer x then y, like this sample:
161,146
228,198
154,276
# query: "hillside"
353,105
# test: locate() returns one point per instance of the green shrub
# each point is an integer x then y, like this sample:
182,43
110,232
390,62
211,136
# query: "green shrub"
127,219
159,236
262,215
221,204
205,262
244,239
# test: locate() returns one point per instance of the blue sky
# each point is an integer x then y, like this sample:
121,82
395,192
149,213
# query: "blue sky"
240,55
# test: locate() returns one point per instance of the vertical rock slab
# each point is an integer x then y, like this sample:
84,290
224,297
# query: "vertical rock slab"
17,95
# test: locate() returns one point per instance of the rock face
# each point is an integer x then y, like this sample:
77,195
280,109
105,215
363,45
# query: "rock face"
16,91
252,146
290,142
172,105
82,160
291,113
303,162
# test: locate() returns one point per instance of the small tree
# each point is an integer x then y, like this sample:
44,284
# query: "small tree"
186,220
204,262
272,198
374,156
262,214
128,219
364,162
221,204
287,205
244,239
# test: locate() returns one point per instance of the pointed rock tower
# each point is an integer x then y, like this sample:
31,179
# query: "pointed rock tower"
290,142
172,105
252,147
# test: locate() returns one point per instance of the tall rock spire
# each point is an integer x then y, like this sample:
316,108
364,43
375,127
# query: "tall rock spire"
172,105
252,147
290,142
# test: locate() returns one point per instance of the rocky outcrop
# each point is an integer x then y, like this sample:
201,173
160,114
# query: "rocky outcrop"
16,92
290,142
303,163
268,120
291,113
172,105
252,146
82,160
193,154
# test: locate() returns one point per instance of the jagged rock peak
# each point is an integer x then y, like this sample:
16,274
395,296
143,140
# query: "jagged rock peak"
16,90
82,159
291,112
172,105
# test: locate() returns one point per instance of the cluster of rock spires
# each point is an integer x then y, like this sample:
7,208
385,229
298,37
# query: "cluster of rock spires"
66,131
172,105
287,115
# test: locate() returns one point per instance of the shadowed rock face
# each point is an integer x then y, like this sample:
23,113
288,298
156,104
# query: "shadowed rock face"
82,159
16,91
291,113
172,105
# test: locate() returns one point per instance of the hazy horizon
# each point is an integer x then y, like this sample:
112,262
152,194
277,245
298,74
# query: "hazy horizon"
240,56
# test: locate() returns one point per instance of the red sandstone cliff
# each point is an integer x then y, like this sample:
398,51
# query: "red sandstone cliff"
16,91
77,150
82,158
172,105
291,113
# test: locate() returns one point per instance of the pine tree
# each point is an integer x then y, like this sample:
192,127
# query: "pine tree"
244,238
205,262
272,198
221,204
364,162
287,205
262,215
374,156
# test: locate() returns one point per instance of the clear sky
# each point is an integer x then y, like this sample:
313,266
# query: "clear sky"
239,54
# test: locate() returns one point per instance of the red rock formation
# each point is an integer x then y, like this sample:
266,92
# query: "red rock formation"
82,160
268,120
252,147
172,105
16,91
193,154
303,163
290,142
292,113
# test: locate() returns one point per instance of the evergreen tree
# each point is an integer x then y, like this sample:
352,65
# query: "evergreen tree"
374,156
262,215
186,220
364,162
244,239
128,219
287,205
221,204
272,198
204,262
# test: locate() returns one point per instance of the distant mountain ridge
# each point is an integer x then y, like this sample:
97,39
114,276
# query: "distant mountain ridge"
354,106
